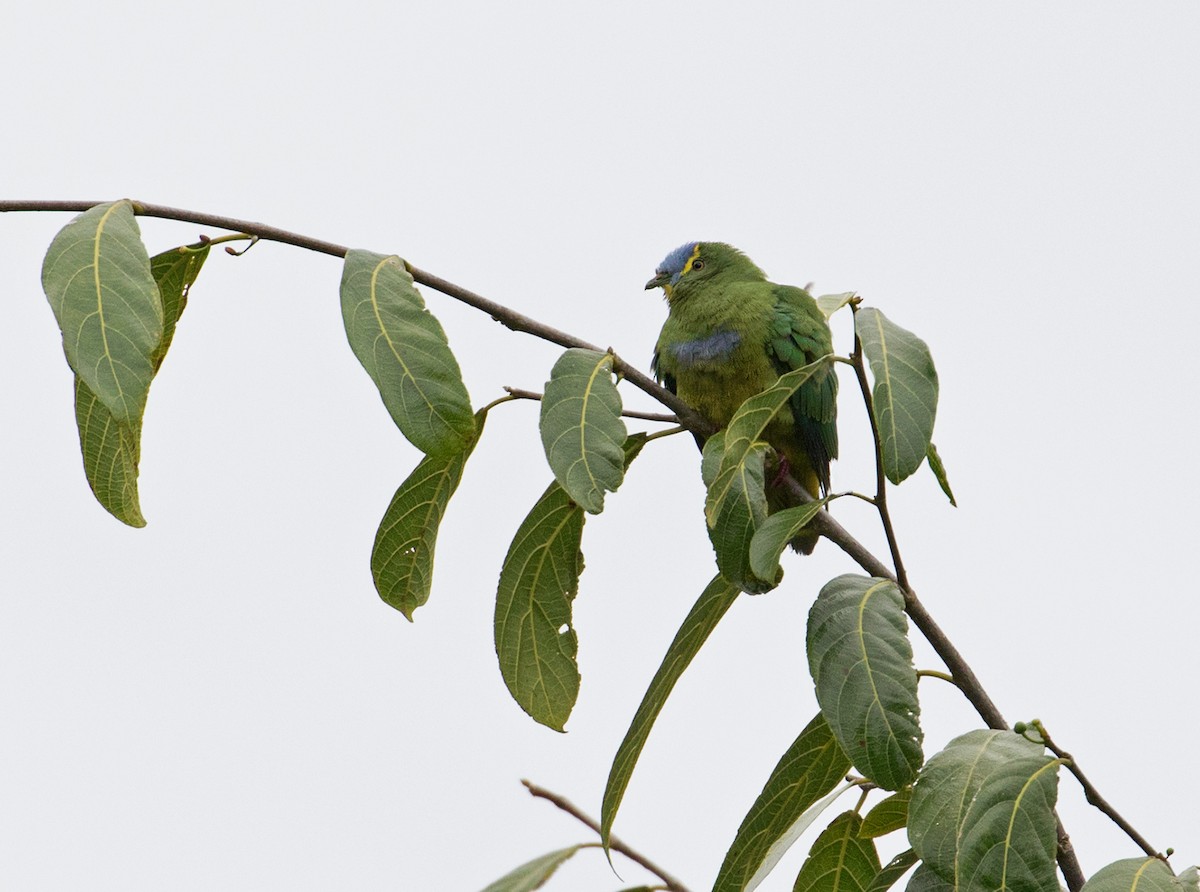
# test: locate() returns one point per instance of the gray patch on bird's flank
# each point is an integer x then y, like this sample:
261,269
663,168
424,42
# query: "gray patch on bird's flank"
716,346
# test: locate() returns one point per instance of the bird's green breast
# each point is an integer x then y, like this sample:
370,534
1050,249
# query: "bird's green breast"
713,346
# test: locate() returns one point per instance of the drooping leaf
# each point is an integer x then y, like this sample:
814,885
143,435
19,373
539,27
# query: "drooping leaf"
581,427
831,303
840,860
712,604
739,514
861,661
1135,875
888,815
402,556
745,431
111,448
773,536
925,880
905,391
939,471
97,278
982,814
891,872
535,640
175,271
533,874
812,766
404,350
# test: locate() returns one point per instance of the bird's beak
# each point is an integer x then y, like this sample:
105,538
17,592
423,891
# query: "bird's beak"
659,281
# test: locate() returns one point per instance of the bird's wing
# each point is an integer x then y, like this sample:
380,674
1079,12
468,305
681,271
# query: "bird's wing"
800,335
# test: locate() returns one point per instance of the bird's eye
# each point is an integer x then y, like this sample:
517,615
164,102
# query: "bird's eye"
699,264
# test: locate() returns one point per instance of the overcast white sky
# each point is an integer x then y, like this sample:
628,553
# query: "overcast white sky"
220,700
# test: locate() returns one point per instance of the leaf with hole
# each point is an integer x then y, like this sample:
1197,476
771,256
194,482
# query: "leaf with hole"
581,427
404,350
982,813
97,278
717,597
861,662
812,766
536,643
905,393
402,556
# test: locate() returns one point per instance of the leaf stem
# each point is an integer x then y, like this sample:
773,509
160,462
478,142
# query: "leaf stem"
670,883
933,673
496,402
519,394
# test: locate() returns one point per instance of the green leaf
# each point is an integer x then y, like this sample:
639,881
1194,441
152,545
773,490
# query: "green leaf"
905,392
1135,875
581,427
402,556
97,278
740,513
812,766
736,504
535,641
861,661
533,874
888,815
840,860
925,880
111,448
939,471
982,814
404,350
712,604
175,271
743,434
773,536
831,303
891,872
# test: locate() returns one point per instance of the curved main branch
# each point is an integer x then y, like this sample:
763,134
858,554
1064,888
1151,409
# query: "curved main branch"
824,523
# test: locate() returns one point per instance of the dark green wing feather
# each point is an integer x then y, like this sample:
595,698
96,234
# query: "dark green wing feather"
800,335
666,379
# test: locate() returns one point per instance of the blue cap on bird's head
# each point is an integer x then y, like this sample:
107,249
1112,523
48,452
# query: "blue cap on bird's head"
674,265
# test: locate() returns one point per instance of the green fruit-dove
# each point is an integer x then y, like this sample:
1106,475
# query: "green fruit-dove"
730,333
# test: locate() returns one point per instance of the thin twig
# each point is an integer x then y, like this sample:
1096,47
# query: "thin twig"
518,393
1093,795
615,844
885,517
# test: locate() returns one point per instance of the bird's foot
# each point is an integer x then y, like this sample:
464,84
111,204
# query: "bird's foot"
782,469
